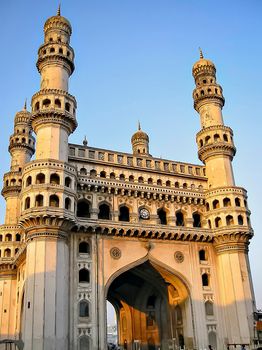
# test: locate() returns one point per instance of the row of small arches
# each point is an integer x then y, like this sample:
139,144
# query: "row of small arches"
13,182
209,91
7,253
9,238
22,140
55,50
216,204
140,179
104,213
54,201
54,179
57,104
229,221
216,138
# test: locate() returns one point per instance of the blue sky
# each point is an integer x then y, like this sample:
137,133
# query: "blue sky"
134,61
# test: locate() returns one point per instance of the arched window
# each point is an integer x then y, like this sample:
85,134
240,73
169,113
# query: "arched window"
240,220
53,201
84,276
7,253
168,183
67,106
131,178
1,238
29,181
216,204
27,203
83,308
140,179
37,106
18,237
104,212
52,49
39,200
218,222
84,343
68,181
124,213
12,182
162,216
176,184
229,220
216,138
207,206
83,209
84,248
207,139
112,176
212,339
225,137
103,174
16,250
150,181
46,103
184,185
237,202
201,143
83,171
209,308
57,103
60,50
205,280
196,220
209,223
54,179
122,177
93,173
68,203
159,182
226,202
202,255
179,218
40,178
8,237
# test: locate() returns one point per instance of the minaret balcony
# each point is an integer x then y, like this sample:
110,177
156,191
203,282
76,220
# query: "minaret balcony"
208,94
12,183
216,149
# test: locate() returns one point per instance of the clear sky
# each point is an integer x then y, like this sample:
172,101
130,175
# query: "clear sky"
134,61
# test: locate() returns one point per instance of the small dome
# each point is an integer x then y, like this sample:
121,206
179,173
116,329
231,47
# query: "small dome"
203,64
58,21
23,116
140,135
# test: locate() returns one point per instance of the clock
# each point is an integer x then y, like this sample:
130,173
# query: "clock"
144,214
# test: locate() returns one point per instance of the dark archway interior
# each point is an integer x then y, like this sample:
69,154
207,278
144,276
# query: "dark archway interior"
147,308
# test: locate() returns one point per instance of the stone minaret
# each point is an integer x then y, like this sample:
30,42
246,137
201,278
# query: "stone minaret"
226,206
48,195
140,142
21,148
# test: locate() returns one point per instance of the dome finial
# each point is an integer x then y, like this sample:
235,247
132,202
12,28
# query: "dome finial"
139,125
59,10
201,53
85,141
25,104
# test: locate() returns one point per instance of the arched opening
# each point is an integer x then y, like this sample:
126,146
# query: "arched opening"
225,138
112,176
159,182
212,339
57,101
216,138
27,203
84,248
84,276
122,177
196,220
84,308
202,255
83,209
162,216
216,204
8,237
209,308
205,280
184,185
151,306
83,172
40,178
103,174
176,184
240,220
53,201
54,179
93,173
131,178
28,181
207,206
104,212
7,253
18,237
179,218
39,200
84,343
168,183
68,203
124,213
226,202
237,202
68,181
67,106
140,179
150,181
46,103
229,220
218,222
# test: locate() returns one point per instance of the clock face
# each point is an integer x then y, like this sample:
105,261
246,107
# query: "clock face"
144,214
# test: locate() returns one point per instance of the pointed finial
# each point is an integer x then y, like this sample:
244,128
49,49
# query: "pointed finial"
201,53
59,10
139,125
25,107
85,141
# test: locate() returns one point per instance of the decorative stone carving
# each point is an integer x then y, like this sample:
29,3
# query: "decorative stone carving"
115,253
179,257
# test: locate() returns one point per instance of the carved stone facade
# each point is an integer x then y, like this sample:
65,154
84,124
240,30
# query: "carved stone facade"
165,242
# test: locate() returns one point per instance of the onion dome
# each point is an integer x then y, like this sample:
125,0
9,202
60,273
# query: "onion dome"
203,66
140,141
23,117
58,22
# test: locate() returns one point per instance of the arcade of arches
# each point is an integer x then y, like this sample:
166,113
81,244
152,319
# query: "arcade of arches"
152,307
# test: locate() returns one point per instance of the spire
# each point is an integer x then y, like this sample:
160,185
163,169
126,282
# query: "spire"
139,126
59,10
201,53
85,141
25,107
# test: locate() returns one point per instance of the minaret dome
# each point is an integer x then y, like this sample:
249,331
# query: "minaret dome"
140,142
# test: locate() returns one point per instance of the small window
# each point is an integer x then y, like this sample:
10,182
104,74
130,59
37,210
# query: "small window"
83,209
83,309
18,237
225,138
150,181
112,176
8,237
159,182
176,184
179,218
168,183
57,103
39,200
202,255
52,49
104,212
54,200
218,222
83,172
162,216
28,181
207,206
131,178
67,107
46,103
84,276
60,50
122,177
84,248
226,202
27,203
124,213
7,253
216,204
196,220
184,186
229,220
237,202
209,309
93,173
68,181
40,178
103,174
68,203
240,220
205,280
216,138
54,179
140,179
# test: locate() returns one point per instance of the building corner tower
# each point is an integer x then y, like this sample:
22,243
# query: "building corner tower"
227,213
48,195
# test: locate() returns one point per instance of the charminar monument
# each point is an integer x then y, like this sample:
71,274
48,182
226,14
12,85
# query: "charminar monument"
165,242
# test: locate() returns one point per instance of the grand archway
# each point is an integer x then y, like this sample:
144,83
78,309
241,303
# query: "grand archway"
152,307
